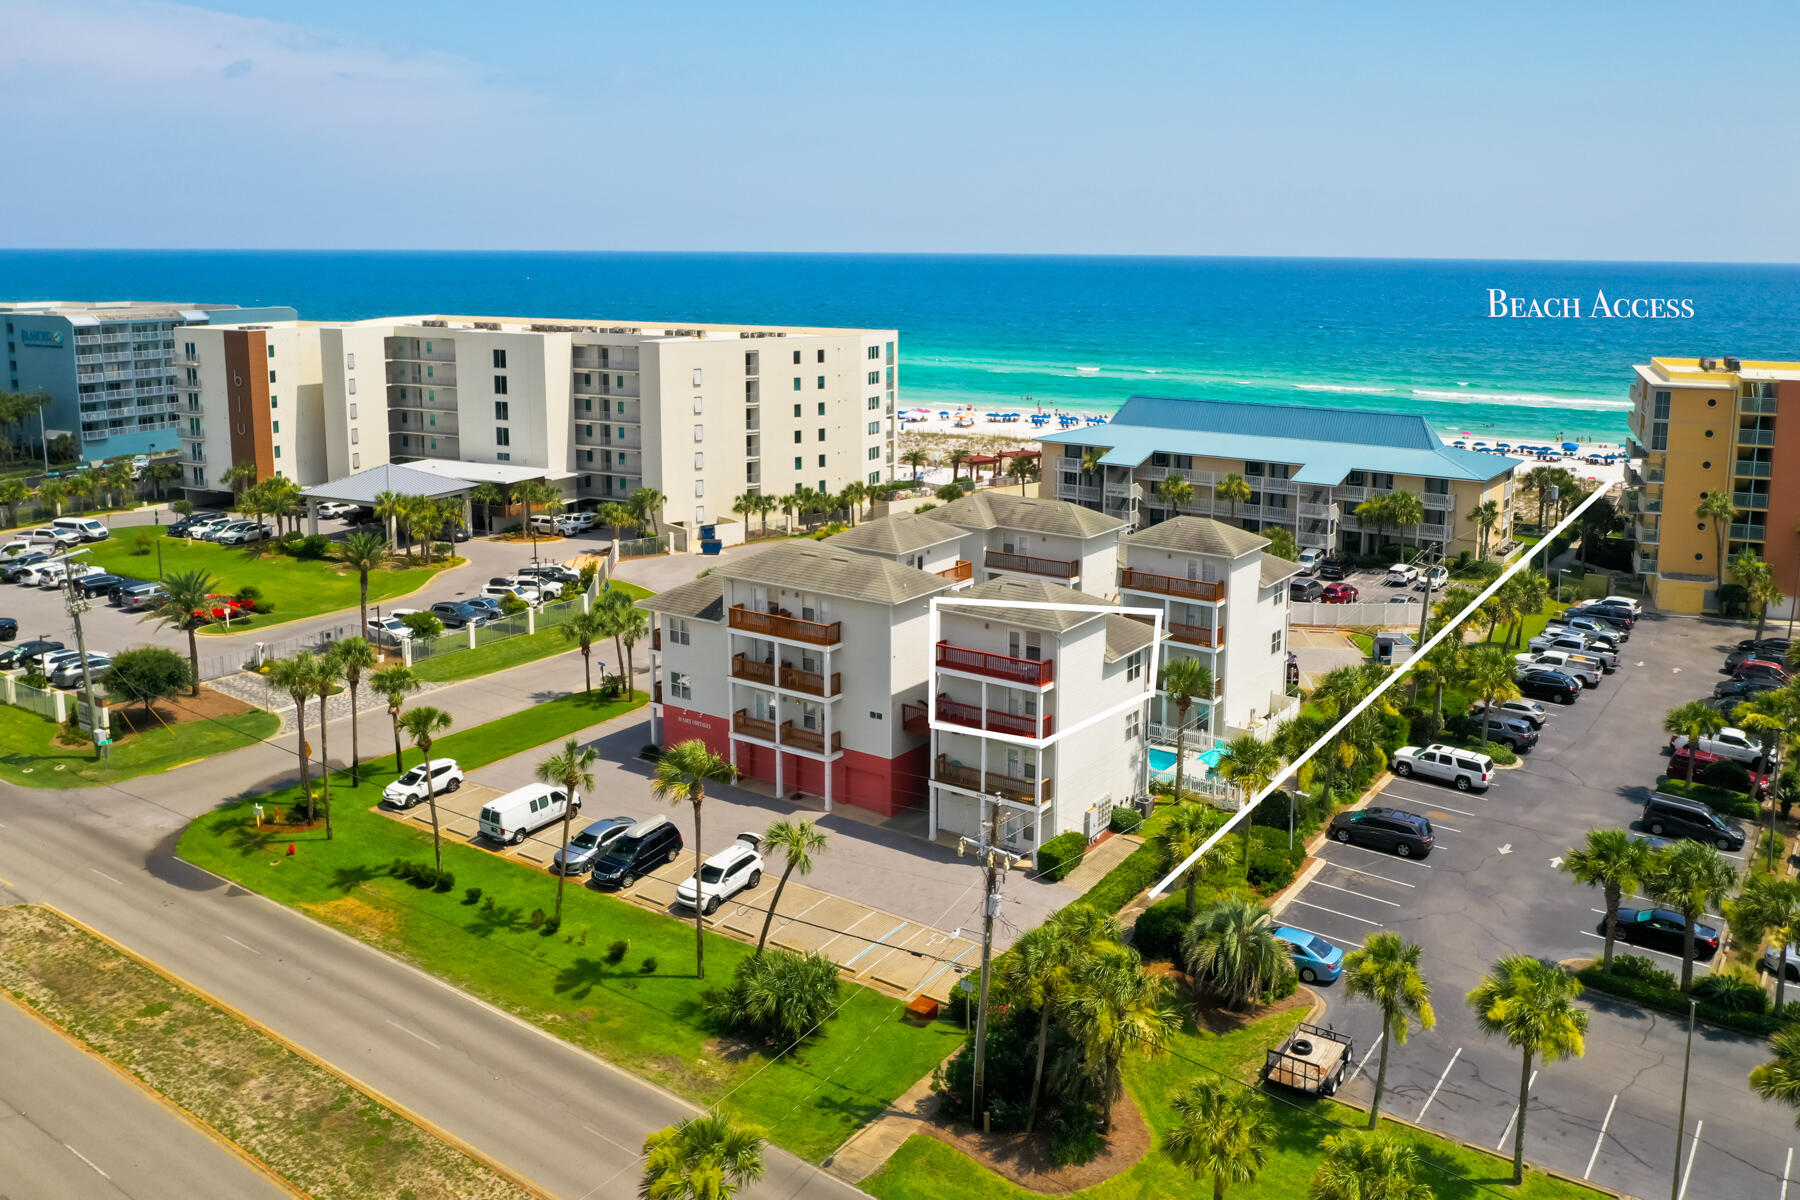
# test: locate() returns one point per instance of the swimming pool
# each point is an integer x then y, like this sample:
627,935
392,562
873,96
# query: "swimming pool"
1164,760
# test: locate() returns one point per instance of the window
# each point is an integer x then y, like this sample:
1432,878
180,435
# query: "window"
822,486
699,487
796,383
874,351
696,377
503,456
1275,642
678,631
618,381
699,461
699,433
434,443
278,452
353,412
679,688
874,378
350,386
274,401
874,403
874,453
697,405
502,436
356,461
431,420
874,476
821,435
796,410
271,373
821,356
274,426
349,359
621,433
796,357
798,437
874,428
271,352
1437,487
1134,725
587,456
1662,406
796,462
355,437
499,360
821,381
499,385
587,404
1134,667
501,409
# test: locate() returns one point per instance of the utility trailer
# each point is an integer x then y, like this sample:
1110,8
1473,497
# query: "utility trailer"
1314,1060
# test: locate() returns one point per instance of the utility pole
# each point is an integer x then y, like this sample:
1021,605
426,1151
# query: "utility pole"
1681,1115
78,604
994,861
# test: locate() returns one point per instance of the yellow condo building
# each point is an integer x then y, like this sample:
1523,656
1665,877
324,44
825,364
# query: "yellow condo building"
1700,426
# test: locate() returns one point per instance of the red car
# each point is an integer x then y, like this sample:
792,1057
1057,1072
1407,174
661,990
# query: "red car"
1761,668
1338,593
1702,759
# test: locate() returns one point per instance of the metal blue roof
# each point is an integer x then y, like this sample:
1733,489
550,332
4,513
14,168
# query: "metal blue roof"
1326,444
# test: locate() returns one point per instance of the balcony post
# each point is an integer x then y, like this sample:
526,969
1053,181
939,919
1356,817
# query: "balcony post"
825,745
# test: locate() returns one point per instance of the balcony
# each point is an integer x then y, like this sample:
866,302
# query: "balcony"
413,350
780,625
958,775
1755,437
413,376
796,737
1746,468
1212,636
1172,585
1644,564
963,571
1761,405
813,683
751,670
1029,671
656,639
1645,535
915,717
1750,499
1031,564
1749,533
1320,512
742,722
971,716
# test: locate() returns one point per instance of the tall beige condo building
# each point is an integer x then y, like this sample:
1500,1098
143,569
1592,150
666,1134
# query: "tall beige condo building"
701,413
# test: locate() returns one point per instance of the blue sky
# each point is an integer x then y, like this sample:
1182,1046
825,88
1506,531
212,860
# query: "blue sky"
1596,131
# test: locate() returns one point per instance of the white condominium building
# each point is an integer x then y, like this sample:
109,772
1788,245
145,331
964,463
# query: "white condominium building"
701,413
1028,538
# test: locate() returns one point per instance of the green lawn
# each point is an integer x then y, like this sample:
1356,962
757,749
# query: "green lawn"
651,1023
524,648
926,1169
1364,642
294,588
33,758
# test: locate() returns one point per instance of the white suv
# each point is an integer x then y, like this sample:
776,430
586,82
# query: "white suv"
1401,574
1734,744
1465,768
410,788
725,874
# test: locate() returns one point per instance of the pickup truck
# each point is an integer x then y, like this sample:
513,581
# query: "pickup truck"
1583,667
1574,643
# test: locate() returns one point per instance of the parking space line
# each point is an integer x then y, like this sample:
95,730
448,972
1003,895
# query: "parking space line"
1373,899
877,943
1369,874
1390,857
1786,1170
1458,811
1365,1058
1326,936
1440,1083
1334,912
1601,1140
1699,964
1437,825
1689,1169
1512,1120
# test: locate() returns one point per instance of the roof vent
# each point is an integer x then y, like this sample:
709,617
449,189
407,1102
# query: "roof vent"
1708,364
1731,364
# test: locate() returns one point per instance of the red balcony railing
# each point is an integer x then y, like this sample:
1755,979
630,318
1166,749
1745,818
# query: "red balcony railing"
971,716
809,739
783,626
1171,585
963,776
915,717
1031,564
1030,671
964,569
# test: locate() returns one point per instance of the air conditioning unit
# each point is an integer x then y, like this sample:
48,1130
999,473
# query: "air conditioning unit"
1708,364
1731,364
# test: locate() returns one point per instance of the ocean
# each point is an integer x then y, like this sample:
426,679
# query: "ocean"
1072,333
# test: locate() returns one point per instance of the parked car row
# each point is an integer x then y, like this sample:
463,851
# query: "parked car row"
533,585
222,528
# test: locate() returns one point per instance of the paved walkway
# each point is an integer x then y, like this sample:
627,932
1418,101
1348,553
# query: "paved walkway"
1101,858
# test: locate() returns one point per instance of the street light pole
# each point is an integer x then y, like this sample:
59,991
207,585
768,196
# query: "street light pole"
79,604
993,860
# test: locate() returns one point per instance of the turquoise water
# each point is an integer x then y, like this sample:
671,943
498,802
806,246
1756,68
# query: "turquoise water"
1164,760
1063,332
1213,757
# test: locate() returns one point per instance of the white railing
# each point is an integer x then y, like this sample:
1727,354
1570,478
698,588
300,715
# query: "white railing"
1404,615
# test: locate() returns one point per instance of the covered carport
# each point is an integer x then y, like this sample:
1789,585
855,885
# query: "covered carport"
501,475
364,486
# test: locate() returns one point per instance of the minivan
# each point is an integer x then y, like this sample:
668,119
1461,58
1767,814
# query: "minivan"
644,847
1673,816
525,810
85,528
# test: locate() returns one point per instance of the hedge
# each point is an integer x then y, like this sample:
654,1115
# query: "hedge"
1060,855
1157,934
1121,885
1726,804
1657,995
1125,820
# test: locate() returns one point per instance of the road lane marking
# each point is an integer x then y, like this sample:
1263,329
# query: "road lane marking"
1334,912
1326,936
1365,1059
1440,1083
1689,1169
1373,899
90,1162
1786,1170
245,945
1601,1140
415,1033
1369,874
1510,1121
104,875
609,1141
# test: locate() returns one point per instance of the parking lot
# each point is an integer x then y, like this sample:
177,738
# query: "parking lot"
1491,887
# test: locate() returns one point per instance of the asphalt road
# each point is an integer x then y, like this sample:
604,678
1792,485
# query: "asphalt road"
559,1116
70,1129
1490,888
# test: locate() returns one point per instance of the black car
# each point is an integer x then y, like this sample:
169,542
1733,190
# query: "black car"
23,654
1305,589
458,614
15,567
9,629
1332,569
643,848
1617,618
95,585
1550,685
1739,690
1665,930
180,528
1404,833
1772,649
1679,817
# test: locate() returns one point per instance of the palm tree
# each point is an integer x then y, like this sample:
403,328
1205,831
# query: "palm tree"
487,494
1222,1132
958,456
327,669
1175,491
12,494
916,459
530,492
1185,680
1488,672
1282,543
186,606
426,519
633,624
798,841
163,472
646,505
854,493
389,508
1385,972
51,492
1368,1167
744,505
1615,862
1373,514
1539,481
1769,715
612,609
1035,972
1485,516
1770,904
573,771
1718,509
394,684
1231,948
239,477
702,1158
1251,764
1183,831
682,773
1232,489
615,515
1113,1006
363,552
1024,468
354,655
1779,1079
766,504
1694,720
422,725
584,627
295,677
1693,879
1404,510
1530,1003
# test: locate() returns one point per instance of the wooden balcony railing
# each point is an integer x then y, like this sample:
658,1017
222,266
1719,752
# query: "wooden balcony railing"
964,569
1030,671
1171,585
811,682
1031,564
971,716
782,626
1193,635
742,722
656,639
915,717
799,738
656,692
752,671
959,775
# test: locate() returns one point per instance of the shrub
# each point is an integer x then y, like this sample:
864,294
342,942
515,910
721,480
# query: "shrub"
511,605
141,544
616,952
1121,884
471,895
780,997
249,592
311,546
1060,855
1725,774
1125,820
1663,996
423,624
1075,1139
1733,993
1011,1060
1157,934
443,881
1270,870
648,966
538,917
1637,966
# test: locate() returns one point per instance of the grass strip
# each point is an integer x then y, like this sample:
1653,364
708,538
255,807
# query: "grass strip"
32,757
486,659
305,1123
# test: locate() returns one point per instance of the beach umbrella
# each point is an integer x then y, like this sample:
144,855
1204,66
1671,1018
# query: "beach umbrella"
1571,446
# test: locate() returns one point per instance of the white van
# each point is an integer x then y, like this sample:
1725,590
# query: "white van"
525,810
85,528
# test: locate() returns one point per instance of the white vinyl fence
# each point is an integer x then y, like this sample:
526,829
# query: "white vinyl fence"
1311,612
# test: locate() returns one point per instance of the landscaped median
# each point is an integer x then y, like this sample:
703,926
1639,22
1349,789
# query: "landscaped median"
33,754
292,1116
639,1006
515,651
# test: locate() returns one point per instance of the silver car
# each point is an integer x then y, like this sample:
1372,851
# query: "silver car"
586,847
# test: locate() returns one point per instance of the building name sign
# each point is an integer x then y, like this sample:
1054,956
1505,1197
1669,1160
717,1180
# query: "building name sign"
47,339
1625,308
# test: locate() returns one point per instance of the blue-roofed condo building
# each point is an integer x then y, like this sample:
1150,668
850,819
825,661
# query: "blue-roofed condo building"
112,369
1307,468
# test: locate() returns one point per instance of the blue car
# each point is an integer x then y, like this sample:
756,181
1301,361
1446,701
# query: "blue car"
1315,959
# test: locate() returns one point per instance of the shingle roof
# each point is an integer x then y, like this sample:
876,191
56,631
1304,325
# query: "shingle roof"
364,486
1325,443
703,599
1031,514
1197,535
897,534
1125,636
834,571
1274,570
1037,591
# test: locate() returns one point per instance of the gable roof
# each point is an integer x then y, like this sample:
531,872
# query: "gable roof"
1325,443
364,486
1274,570
1083,608
898,533
1125,636
1197,535
1029,514
703,599
834,571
